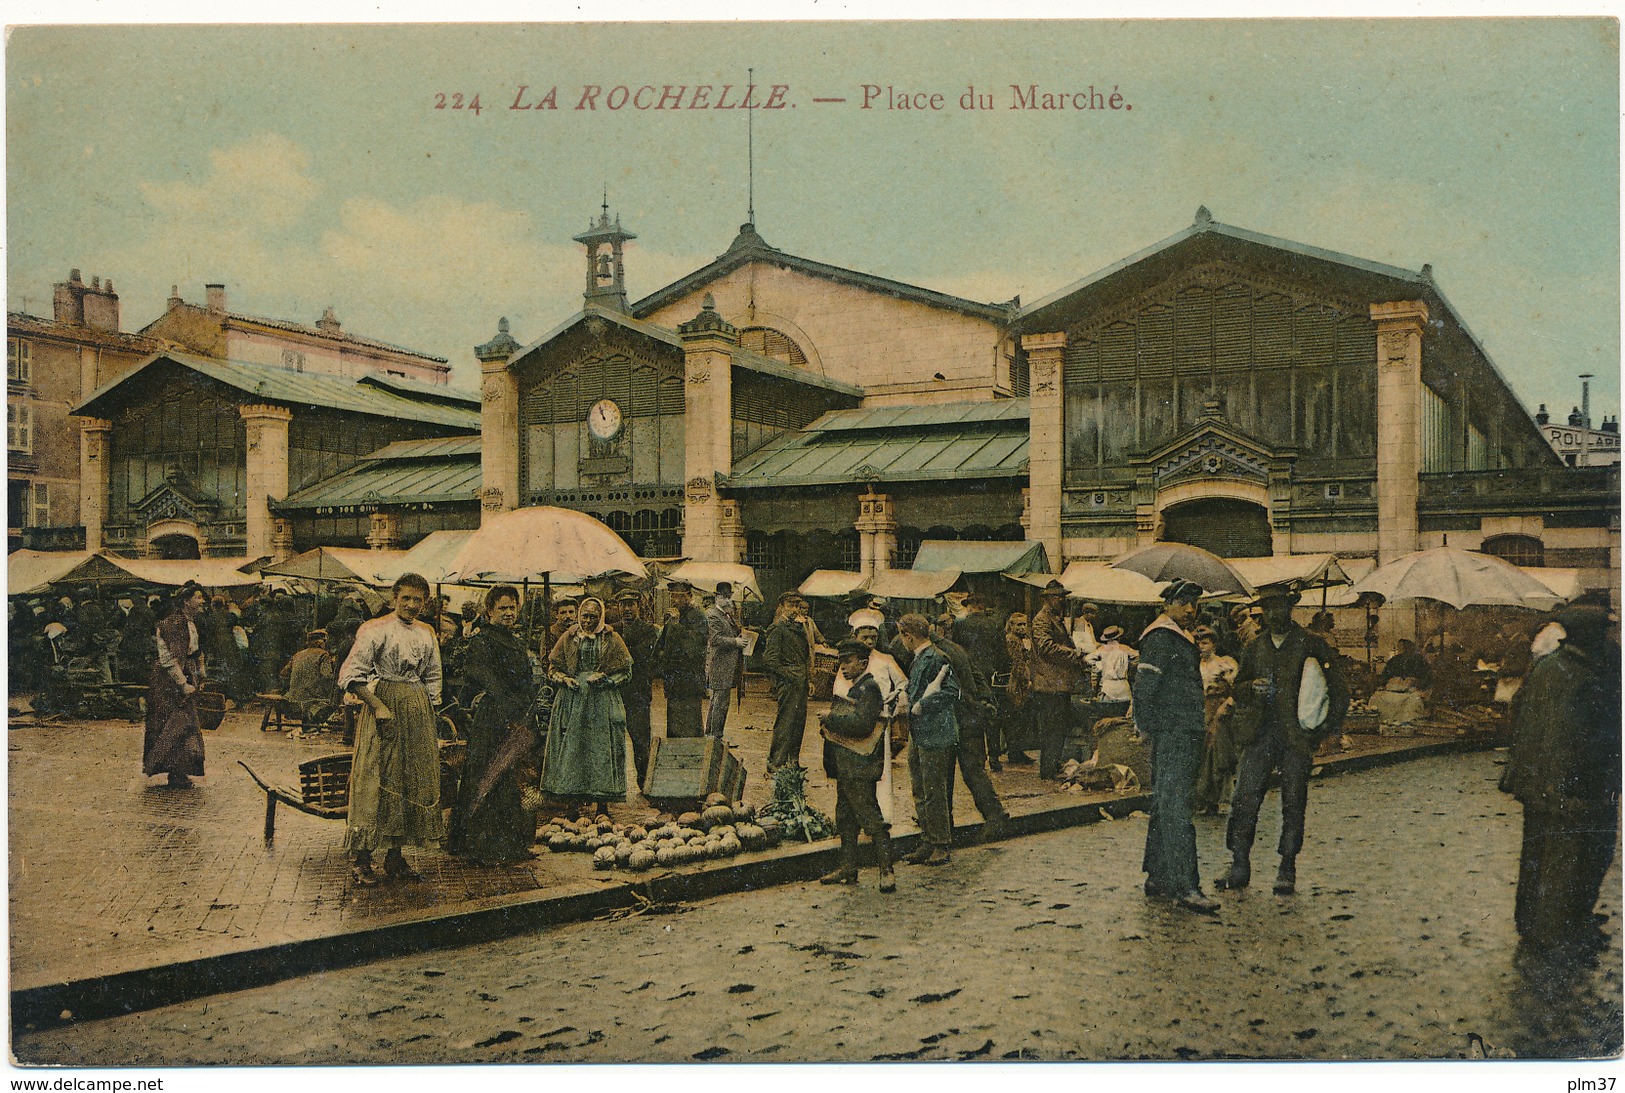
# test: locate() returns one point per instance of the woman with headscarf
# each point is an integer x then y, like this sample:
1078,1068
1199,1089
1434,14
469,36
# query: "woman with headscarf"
1015,715
174,743
489,823
584,762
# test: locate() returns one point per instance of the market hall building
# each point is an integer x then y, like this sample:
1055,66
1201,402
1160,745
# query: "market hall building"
1249,394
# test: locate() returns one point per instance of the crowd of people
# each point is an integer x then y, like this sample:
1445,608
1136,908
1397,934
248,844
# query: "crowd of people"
1226,698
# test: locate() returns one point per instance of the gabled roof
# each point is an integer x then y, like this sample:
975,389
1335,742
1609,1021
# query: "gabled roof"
422,392
954,441
440,470
742,358
1039,315
267,383
237,318
750,247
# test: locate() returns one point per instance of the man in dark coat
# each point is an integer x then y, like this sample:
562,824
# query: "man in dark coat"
786,658
681,654
1275,668
1564,767
637,693
982,637
933,699
1169,708
975,712
854,755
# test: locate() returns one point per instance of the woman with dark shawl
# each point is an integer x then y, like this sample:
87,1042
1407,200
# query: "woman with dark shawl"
585,759
174,743
489,825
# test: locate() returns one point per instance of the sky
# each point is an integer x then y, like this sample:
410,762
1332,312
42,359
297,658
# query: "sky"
307,166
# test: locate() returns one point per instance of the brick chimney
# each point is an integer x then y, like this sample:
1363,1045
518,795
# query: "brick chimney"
328,323
101,308
68,300
175,297
215,297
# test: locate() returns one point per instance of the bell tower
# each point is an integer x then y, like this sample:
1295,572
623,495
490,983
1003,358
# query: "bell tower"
606,273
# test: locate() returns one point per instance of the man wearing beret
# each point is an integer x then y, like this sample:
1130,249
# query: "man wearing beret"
1289,695
1169,708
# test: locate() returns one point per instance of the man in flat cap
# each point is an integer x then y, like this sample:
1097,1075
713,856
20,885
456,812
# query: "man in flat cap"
786,658
1058,673
1564,767
855,756
1169,709
681,655
1289,695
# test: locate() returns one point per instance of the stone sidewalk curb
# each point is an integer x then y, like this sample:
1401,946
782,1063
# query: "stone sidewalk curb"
99,997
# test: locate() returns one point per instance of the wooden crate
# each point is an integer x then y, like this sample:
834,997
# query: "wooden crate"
686,771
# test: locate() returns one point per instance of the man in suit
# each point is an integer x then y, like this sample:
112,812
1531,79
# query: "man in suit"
681,655
1275,668
724,657
786,659
933,697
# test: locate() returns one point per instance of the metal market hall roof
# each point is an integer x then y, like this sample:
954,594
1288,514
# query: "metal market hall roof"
949,441
399,399
440,470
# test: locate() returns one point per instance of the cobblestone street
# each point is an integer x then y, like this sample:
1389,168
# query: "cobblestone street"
1398,946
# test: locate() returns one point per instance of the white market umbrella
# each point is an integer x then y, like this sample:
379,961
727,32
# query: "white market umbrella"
540,542
1460,578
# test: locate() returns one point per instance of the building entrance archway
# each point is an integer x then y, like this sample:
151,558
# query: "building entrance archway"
1227,526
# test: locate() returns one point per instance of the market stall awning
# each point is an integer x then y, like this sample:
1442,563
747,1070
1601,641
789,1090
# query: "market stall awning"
1570,584
1008,558
1299,570
912,584
705,576
32,571
337,564
430,559
208,572
832,583
1098,582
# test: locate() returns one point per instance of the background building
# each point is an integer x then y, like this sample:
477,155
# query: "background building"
50,365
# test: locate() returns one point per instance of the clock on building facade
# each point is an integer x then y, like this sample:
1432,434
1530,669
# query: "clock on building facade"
605,420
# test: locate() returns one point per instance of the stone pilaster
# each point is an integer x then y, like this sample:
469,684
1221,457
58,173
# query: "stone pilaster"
281,539
95,458
267,428
877,532
1045,440
499,425
731,531
383,531
1399,424
709,342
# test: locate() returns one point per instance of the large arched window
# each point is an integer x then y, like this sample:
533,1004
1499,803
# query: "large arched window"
1229,527
1517,549
771,343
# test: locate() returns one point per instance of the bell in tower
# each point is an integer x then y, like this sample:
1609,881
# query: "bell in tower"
606,272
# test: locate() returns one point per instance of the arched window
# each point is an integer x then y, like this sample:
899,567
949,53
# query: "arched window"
1517,549
770,343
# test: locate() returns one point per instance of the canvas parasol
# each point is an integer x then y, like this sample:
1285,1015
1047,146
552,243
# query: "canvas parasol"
1183,562
527,544
1460,578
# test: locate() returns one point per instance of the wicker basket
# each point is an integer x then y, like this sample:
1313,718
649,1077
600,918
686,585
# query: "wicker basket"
211,707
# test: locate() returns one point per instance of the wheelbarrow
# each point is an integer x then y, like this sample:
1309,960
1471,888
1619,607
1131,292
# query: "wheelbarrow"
324,786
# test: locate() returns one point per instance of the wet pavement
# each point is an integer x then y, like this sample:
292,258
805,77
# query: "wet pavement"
1399,945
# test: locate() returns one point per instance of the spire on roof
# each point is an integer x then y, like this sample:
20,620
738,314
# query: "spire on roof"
1203,217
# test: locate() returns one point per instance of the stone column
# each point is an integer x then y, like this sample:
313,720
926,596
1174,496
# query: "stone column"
731,531
1399,424
877,532
282,538
499,425
267,472
1045,440
95,459
709,341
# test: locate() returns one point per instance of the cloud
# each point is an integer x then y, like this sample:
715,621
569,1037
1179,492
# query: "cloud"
266,178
